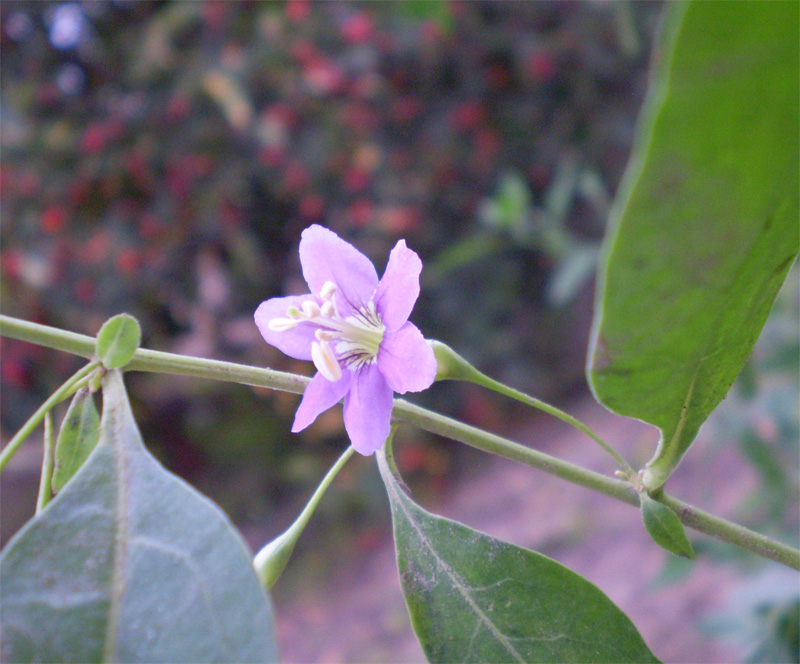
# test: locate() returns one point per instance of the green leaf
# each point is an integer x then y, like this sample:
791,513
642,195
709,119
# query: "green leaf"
473,598
704,229
118,340
78,436
130,564
664,526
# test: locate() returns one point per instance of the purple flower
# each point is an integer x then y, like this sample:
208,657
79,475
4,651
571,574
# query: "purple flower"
356,330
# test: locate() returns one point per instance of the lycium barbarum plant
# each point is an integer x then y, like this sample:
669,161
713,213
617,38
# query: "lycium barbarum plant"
128,563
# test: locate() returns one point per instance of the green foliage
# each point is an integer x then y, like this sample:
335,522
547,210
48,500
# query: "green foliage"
128,563
760,415
78,436
45,486
664,527
473,598
118,340
705,228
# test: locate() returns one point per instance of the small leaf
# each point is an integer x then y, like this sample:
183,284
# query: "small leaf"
118,340
130,564
78,436
664,526
473,598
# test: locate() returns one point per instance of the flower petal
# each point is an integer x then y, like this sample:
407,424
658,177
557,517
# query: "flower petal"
320,395
326,257
398,290
296,342
368,410
406,360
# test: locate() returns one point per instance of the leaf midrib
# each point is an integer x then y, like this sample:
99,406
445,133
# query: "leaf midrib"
116,417
458,582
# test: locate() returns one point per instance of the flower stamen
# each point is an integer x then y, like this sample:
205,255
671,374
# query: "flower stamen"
282,324
325,360
311,309
351,342
327,290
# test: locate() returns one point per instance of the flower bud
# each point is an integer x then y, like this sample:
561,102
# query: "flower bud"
271,560
449,364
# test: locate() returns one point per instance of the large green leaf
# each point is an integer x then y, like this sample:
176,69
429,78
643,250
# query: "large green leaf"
130,564
473,598
705,226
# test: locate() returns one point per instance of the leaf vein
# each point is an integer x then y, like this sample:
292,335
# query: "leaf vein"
462,587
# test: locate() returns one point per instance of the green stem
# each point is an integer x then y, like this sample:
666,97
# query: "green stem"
145,360
454,367
69,388
45,483
154,361
732,533
691,516
494,444
305,516
497,386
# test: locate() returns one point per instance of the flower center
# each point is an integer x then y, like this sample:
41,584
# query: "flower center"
355,339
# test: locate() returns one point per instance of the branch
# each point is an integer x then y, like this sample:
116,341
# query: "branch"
155,361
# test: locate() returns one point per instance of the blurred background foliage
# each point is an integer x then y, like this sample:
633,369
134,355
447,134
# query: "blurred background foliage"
162,158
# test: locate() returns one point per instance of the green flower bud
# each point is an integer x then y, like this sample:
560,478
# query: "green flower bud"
450,365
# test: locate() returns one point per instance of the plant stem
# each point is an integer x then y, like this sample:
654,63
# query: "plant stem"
494,444
691,516
732,533
72,385
153,360
147,360
499,387
45,483
457,368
